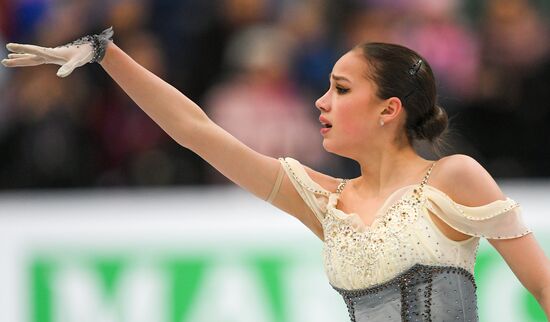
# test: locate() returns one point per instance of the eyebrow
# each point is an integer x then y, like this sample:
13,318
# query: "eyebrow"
335,77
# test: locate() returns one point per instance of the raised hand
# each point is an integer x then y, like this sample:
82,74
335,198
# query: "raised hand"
88,49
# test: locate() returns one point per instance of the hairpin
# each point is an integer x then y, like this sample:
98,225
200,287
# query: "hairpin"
415,68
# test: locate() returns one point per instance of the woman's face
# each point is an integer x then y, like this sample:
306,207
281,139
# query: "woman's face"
350,108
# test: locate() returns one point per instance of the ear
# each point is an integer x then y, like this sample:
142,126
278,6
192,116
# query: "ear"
391,108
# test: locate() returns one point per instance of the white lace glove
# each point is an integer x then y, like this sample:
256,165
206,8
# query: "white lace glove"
88,49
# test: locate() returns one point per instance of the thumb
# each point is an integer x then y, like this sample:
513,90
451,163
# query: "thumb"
67,69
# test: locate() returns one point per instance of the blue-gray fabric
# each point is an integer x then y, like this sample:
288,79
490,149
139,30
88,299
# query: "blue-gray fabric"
422,293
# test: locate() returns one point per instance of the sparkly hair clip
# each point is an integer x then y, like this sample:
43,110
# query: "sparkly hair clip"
415,68
412,72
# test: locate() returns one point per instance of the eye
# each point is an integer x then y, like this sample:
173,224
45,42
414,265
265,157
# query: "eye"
341,90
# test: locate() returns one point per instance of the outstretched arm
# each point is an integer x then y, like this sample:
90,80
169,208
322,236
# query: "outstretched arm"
188,125
178,116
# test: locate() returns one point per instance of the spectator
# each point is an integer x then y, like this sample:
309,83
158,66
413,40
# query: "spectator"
259,91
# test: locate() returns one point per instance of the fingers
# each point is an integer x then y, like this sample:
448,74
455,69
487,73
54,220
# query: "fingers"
29,49
14,56
67,69
30,55
22,60
69,57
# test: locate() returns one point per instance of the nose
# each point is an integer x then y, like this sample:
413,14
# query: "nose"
322,103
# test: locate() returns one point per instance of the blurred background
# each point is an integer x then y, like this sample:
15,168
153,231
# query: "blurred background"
256,67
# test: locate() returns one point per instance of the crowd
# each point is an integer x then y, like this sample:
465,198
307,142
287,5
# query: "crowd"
256,67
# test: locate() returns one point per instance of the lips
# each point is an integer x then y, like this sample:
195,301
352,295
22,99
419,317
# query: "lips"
327,126
326,123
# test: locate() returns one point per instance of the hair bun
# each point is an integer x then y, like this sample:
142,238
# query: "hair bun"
433,126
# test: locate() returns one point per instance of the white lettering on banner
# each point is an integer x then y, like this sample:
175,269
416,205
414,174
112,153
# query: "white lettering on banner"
231,293
79,296
247,287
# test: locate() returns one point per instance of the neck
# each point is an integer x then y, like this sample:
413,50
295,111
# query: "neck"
387,169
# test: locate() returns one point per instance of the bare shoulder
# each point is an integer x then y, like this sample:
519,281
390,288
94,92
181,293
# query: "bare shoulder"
466,181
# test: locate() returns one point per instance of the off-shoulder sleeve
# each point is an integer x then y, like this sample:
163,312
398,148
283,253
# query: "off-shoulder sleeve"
311,192
500,219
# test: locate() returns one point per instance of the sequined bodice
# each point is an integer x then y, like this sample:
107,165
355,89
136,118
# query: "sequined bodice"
356,255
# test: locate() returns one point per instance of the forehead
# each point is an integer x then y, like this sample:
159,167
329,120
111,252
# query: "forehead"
352,65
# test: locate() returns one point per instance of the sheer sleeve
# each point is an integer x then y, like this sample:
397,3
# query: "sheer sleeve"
500,219
311,192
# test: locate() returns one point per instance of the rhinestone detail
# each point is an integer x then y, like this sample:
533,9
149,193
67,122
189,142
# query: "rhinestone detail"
98,42
357,252
288,167
459,208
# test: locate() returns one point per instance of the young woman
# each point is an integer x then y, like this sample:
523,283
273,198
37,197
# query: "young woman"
400,240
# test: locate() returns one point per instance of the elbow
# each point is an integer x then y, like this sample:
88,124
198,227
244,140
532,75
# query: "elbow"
189,133
542,294
543,298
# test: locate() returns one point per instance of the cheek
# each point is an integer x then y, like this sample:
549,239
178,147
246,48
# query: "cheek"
354,109
353,124
355,116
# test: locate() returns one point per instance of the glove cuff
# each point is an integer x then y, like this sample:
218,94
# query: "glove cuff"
98,42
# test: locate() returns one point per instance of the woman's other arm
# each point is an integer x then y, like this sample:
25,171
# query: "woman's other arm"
527,260
472,185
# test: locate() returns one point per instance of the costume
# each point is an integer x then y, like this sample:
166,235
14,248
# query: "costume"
401,267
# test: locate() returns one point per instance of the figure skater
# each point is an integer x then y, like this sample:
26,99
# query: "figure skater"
400,240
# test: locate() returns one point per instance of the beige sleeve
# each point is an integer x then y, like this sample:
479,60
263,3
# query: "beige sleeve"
312,193
500,219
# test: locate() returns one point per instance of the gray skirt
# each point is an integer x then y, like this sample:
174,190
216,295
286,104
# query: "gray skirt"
422,293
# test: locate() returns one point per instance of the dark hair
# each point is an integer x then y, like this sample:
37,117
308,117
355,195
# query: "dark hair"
400,72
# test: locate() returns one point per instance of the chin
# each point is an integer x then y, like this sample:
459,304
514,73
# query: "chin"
327,146
346,151
332,148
